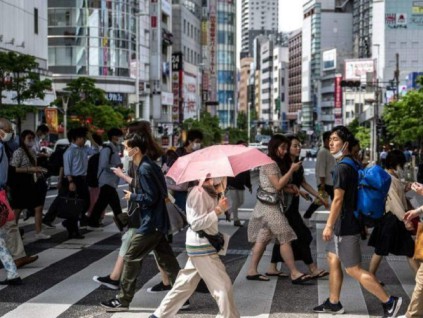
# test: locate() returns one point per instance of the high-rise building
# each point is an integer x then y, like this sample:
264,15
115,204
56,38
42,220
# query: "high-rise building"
118,43
327,24
243,99
294,81
23,30
258,17
362,31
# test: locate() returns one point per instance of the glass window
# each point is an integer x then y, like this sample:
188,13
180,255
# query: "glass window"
35,20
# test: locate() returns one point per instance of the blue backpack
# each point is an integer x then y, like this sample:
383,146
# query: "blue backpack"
373,187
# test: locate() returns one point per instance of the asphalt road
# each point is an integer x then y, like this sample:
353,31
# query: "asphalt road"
60,283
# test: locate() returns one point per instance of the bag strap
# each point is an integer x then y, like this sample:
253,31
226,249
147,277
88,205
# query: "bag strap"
350,162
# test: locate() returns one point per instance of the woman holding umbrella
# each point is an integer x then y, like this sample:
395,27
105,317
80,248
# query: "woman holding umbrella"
203,209
268,221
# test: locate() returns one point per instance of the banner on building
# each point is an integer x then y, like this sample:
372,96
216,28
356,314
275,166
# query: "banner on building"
177,81
52,120
356,70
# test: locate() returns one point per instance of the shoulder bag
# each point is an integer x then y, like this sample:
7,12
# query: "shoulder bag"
267,197
177,217
418,251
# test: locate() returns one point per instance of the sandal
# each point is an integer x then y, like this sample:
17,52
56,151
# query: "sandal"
258,277
320,274
301,280
278,274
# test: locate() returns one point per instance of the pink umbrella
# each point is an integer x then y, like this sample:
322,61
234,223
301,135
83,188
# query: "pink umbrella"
216,161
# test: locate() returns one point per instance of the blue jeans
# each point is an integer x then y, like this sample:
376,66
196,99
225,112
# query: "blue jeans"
6,258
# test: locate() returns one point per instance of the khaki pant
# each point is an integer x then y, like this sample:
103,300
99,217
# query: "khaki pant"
14,240
139,247
415,309
211,269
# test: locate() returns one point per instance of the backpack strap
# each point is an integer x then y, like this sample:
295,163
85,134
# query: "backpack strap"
350,162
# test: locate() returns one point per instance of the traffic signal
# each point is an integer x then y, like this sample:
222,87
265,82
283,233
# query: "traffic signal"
160,129
381,130
350,83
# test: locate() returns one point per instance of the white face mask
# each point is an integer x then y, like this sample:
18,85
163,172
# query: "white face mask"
126,160
196,146
7,136
30,144
340,152
400,173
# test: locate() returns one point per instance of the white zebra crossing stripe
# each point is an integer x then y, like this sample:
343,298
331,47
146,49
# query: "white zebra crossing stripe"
404,273
56,300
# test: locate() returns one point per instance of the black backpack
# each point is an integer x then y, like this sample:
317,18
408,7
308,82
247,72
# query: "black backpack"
92,179
55,161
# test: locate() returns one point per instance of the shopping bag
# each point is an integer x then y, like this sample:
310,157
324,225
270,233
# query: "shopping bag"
5,208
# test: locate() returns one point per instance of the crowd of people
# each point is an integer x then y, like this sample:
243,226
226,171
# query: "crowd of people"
145,226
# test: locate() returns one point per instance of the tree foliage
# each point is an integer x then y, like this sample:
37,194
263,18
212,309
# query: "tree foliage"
18,74
403,117
89,105
209,125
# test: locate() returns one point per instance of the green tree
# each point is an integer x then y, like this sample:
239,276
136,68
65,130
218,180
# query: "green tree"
353,126
242,121
209,125
89,104
403,117
363,136
17,74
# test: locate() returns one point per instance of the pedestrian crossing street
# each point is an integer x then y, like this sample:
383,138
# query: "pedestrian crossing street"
60,283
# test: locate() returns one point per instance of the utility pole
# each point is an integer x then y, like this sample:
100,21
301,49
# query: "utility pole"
396,76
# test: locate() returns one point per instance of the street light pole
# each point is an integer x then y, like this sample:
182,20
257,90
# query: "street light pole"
229,110
248,121
65,101
138,16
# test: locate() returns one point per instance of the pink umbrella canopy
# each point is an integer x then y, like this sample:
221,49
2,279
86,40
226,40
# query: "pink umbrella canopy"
216,161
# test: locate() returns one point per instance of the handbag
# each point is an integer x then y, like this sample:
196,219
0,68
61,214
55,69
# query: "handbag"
177,217
217,240
267,197
69,207
418,250
5,208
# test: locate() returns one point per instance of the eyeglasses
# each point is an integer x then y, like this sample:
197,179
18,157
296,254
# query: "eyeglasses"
10,130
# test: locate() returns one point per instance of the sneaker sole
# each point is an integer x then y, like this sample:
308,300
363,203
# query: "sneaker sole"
114,287
149,290
399,303
339,312
119,309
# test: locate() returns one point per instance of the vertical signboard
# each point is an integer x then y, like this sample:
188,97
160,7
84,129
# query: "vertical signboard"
213,49
52,120
177,81
338,100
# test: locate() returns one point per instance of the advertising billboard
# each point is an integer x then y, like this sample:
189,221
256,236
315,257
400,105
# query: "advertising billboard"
329,60
356,70
404,14
338,100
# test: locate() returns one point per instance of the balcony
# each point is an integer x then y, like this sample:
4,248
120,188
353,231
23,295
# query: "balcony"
327,103
328,89
327,118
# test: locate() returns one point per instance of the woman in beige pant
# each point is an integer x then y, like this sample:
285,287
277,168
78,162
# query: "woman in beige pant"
415,309
203,209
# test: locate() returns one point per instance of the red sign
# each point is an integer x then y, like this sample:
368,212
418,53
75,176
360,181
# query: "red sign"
338,100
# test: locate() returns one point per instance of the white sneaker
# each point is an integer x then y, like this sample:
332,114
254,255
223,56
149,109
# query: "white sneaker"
42,236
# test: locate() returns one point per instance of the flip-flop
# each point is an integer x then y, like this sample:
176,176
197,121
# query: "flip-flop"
258,277
301,280
279,274
320,274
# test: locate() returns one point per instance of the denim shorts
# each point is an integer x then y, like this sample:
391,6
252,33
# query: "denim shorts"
126,241
347,248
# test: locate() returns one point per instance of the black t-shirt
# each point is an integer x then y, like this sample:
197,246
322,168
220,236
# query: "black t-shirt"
345,177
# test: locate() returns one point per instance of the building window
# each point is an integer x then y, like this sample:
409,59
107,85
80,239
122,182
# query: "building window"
35,20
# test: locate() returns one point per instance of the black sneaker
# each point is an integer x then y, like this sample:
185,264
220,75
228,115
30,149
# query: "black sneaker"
391,308
107,281
113,305
328,307
13,281
186,305
159,288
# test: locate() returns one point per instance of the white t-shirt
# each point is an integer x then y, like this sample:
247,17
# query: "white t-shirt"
324,166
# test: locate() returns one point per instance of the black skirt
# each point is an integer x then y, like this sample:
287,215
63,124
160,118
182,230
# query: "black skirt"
390,236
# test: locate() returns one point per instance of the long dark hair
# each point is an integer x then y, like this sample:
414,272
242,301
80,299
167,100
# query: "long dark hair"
272,148
143,127
25,148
